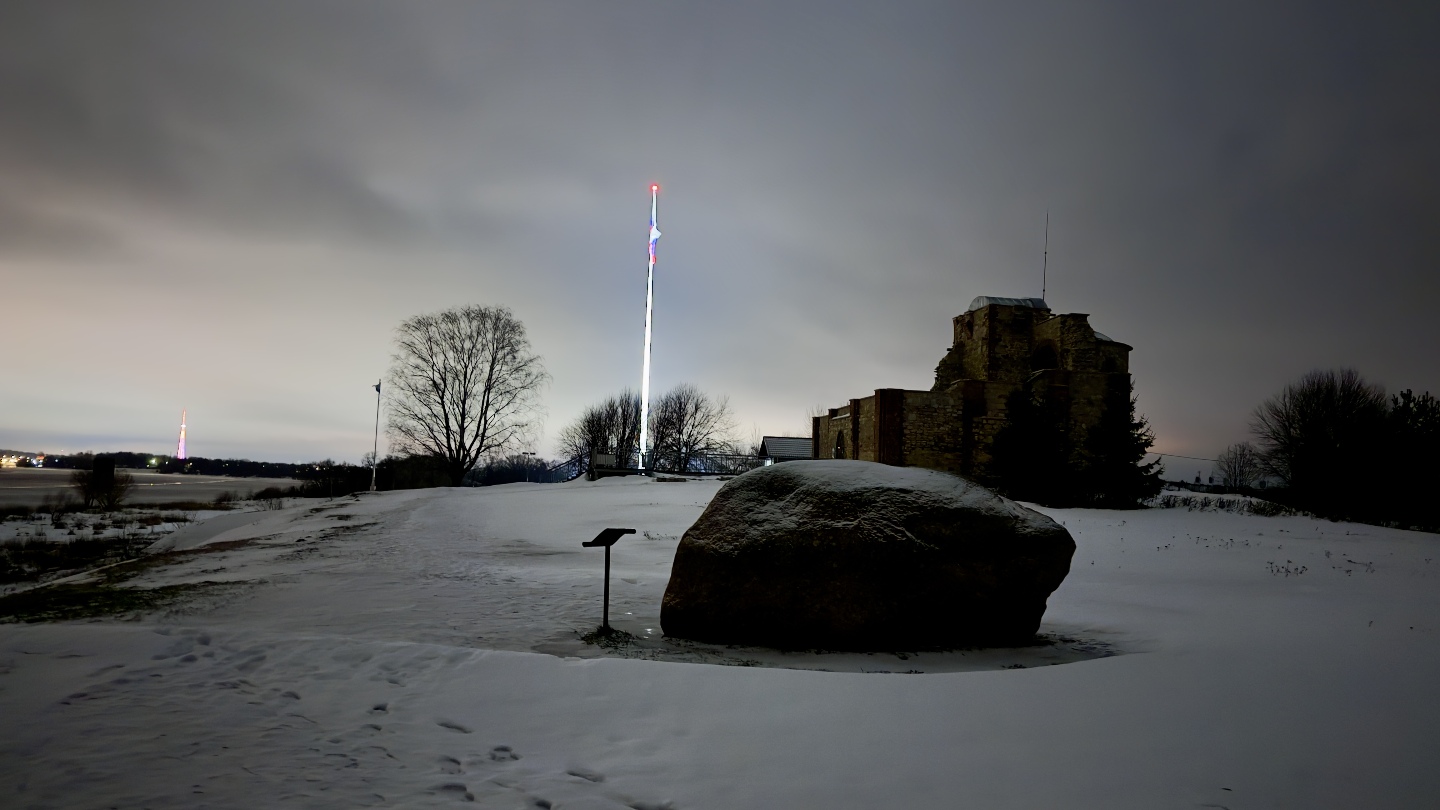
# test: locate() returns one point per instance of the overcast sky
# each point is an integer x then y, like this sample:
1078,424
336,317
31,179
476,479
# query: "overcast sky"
229,207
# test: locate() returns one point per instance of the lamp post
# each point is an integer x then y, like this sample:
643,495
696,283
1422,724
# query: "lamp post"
527,464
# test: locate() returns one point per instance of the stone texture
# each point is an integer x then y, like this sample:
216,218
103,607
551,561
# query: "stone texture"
997,349
859,555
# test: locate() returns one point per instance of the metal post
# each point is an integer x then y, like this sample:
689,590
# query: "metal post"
375,450
607,539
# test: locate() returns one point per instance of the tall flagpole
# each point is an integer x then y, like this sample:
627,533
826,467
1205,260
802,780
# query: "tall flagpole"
375,453
649,313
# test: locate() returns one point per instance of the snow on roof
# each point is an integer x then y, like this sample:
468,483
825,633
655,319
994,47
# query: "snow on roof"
987,300
786,447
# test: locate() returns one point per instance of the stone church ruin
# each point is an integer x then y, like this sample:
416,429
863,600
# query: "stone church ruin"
1001,345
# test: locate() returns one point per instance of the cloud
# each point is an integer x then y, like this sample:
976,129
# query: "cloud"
1241,192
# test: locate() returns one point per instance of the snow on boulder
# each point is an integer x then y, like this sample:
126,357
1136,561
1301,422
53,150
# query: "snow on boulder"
856,555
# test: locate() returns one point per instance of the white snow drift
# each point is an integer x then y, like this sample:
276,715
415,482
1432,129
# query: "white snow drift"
421,649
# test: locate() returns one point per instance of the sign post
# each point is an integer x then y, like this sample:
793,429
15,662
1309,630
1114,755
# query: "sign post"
607,538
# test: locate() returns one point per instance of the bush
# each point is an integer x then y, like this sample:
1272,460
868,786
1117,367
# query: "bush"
271,493
30,560
1344,451
1323,437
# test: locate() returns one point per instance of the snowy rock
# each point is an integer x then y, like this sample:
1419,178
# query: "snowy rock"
857,555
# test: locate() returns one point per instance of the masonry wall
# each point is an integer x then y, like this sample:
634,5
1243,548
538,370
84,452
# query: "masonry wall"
1008,337
953,426
932,430
836,424
985,424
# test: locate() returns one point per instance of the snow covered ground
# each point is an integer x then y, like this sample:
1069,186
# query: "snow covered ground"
422,649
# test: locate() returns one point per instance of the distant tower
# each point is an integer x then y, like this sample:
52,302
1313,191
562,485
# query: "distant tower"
180,448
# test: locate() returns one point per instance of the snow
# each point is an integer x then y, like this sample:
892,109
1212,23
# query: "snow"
810,482
421,648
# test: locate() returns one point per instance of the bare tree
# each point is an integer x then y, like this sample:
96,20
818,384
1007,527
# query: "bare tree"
612,426
1321,434
584,437
623,414
1239,465
689,423
463,386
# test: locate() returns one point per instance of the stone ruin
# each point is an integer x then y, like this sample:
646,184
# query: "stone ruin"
1000,345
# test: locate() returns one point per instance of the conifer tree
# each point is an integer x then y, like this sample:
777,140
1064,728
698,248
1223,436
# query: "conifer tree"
1111,464
1030,458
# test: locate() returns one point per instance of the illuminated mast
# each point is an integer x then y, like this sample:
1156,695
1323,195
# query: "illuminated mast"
649,312
180,448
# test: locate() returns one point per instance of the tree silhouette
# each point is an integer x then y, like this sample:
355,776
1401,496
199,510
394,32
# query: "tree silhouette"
1112,470
463,386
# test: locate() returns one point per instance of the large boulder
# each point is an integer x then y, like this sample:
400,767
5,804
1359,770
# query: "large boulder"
857,555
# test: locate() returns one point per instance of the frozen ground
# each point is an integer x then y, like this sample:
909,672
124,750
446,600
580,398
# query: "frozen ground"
29,486
422,649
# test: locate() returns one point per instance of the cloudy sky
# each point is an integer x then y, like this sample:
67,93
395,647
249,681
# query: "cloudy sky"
229,207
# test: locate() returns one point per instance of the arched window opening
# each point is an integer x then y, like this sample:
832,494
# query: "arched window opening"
1044,357
839,445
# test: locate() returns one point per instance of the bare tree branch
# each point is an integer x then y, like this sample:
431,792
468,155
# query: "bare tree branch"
1239,465
612,426
689,423
463,386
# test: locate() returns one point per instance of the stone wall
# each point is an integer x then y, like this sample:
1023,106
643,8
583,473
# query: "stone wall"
997,350
932,431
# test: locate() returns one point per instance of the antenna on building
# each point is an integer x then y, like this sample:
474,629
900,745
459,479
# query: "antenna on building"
1045,262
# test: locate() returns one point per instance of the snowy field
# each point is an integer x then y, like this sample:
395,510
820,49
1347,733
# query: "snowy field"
30,486
422,649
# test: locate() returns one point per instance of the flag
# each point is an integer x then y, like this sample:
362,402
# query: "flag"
654,231
377,387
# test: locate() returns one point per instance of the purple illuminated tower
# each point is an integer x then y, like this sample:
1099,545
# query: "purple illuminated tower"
180,448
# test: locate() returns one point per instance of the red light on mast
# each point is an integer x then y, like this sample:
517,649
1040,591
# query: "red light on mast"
654,188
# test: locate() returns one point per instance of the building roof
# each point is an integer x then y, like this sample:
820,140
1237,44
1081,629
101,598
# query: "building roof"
786,447
987,300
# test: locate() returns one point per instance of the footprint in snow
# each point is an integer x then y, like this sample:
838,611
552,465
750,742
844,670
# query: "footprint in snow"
450,765
380,708
452,725
503,753
587,774
456,789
